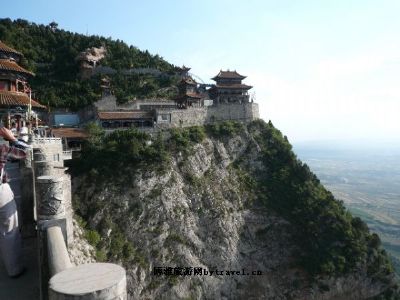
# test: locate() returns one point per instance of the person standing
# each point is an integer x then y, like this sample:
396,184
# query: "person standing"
10,236
23,133
14,129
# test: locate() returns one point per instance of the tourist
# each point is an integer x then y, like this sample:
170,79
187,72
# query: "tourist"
24,132
10,236
14,129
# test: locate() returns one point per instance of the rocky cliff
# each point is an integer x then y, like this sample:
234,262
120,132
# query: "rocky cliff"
218,201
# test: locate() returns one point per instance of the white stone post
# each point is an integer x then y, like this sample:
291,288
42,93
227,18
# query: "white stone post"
89,282
58,257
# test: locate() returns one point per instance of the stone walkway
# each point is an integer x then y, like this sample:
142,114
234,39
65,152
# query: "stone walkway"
25,287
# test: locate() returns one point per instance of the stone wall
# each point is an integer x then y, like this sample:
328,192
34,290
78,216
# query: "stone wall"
106,103
245,112
181,117
48,149
167,117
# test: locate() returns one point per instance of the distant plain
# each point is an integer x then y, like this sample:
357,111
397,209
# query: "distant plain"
367,180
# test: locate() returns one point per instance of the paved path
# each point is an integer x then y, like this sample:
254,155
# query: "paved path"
25,287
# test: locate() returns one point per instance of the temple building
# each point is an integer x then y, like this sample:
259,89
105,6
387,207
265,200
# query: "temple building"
229,88
125,119
183,71
72,138
188,95
16,103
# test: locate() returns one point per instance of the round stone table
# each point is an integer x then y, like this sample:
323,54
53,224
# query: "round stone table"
89,282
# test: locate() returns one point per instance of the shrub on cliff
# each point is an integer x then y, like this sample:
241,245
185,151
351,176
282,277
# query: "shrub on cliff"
118,153
224,129
332,240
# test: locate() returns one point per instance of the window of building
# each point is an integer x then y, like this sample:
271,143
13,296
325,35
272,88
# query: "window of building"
165,117
3,85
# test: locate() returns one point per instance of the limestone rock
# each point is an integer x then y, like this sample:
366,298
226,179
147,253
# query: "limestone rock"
199,214
80,251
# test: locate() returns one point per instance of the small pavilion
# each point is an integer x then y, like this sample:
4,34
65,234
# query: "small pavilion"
188,95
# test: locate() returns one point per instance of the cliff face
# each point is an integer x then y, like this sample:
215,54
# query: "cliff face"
203,211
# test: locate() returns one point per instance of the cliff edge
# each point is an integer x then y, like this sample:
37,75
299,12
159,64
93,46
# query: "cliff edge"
230,198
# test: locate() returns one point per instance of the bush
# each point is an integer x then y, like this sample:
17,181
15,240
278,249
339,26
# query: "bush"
225,129
197,134
179,140
101,255
103,155
92,237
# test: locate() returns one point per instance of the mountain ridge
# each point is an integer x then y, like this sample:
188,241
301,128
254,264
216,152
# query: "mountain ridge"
52,54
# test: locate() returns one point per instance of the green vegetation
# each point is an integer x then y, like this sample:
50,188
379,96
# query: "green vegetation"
182,139
332,241
93,237
111,244
124,150
111,155
143,86
225,129
51,54
173,238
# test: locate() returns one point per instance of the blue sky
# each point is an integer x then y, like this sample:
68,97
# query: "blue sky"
320,69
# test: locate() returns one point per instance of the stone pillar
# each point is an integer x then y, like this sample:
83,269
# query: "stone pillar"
50,212
43,167
50,195
89,282
27,212
58,257
38,155
68,205
49,151
53,194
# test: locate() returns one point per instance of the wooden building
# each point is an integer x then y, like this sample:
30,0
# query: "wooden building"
72,138
126,119
16,103
183,71
229,88
188,95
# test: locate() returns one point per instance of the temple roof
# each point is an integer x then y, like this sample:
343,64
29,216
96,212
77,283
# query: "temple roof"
69,133
124,115
10,65
188,80
8,98
183,68
234,86
6,49
228,75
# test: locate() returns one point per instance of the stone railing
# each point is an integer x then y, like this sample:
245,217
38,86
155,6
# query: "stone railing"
59,279
44,140
67,154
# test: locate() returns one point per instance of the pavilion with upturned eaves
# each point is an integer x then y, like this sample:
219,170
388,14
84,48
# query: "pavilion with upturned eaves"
16,101
188,95
229,88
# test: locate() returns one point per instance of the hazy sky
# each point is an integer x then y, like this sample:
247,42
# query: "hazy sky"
320,69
